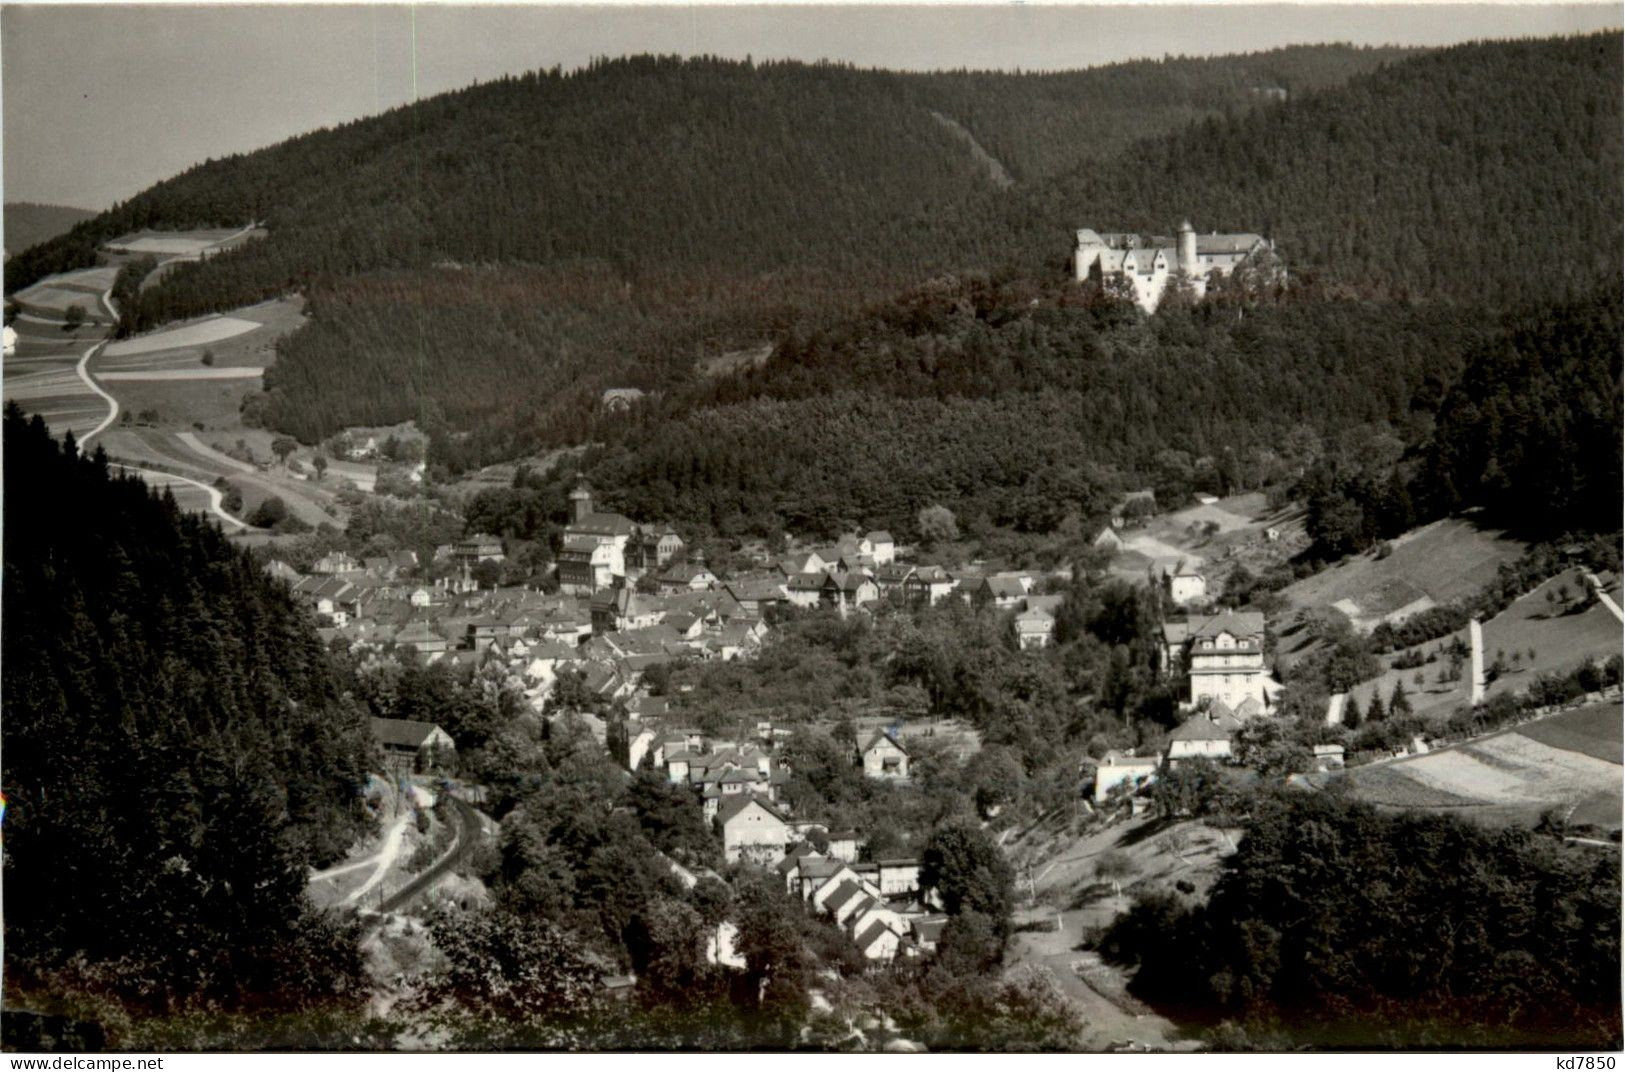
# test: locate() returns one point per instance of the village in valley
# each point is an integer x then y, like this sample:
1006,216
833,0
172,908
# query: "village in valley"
589,634
632,597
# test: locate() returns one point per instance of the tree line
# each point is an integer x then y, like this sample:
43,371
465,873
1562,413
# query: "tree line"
178,755
1337,926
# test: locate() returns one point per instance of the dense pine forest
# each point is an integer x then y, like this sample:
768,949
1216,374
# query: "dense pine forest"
177,753
1341,927
717,167
489,261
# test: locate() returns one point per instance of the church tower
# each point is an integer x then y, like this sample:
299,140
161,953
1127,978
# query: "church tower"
1187,249
580,503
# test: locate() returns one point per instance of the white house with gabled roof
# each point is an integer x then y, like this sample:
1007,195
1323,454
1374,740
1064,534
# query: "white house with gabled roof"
752,830
884,758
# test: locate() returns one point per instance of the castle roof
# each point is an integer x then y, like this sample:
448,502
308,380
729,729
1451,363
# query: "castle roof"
1228,243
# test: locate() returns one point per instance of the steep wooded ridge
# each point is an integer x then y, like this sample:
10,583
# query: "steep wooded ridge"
1422,180
489,261
557,234
649,163
176,749
1342,927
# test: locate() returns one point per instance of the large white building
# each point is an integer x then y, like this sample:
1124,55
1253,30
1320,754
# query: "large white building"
1224,655
1148,263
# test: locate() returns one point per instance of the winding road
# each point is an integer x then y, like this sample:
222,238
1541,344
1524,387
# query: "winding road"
83,368
157,478
217,500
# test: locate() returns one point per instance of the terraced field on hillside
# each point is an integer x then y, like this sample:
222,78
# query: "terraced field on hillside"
1570,761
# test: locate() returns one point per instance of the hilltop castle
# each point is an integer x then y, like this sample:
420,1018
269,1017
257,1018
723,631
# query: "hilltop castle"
1149,262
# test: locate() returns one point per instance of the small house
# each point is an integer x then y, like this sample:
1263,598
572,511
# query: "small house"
884,758
1034,629
877,941
1206,734
414,745
880,545
1119,768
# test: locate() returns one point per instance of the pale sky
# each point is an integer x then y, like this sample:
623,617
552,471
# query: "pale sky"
101,102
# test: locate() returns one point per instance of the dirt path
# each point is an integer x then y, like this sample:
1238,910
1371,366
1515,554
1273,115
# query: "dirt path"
469,832
1108,1023
1606,600
161,479
382,862
1113,1020
83,369
199,456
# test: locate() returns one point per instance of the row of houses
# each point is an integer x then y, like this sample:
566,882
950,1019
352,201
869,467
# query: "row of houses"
878,904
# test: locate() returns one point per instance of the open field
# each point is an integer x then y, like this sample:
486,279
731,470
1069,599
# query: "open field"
1561,639
58,300
1569,760
215,403
203,333
164,375
1594,731
91,280
1443,561
166,448
161,244
181,245
196,408
186,403
52,297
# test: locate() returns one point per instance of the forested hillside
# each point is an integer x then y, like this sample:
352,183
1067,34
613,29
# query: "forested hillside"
1407,185
177,754
1335,926
1482,172
1532,429
489,261
653,163
561,233
1016,407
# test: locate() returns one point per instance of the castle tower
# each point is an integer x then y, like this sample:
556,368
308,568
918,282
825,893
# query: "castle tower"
1187,249
580,503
